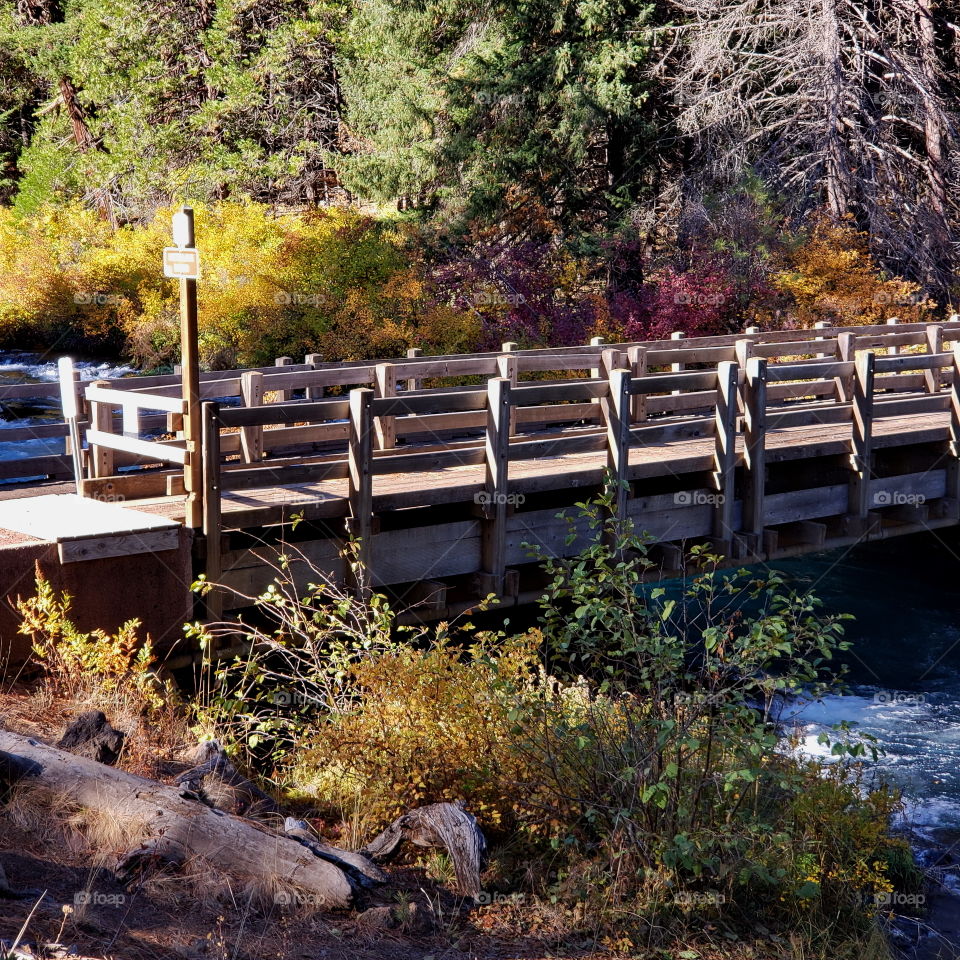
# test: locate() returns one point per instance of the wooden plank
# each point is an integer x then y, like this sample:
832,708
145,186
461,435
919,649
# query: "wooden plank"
150,449
812,415
935,347
582,442
413,383
616,414
507,366
706,380
846,349
862,436
725,451
497,483
808,370
294,412
808,504
754,443
273,475
571,390
212,521
953,442
315,362
282,395
360,465
438,402
913,361
251,438
637,362
121,545
385,386
128,398
101,420
419,463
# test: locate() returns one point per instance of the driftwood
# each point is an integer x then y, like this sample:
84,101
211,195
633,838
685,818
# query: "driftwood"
216,782
361,870
91,735
242,848
445,825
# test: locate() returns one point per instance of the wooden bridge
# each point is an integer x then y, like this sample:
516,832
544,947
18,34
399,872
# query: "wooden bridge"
764,444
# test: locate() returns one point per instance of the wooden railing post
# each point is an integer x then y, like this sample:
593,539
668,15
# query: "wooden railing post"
893,349
725,454
861,452
385,385
101,419
360,463
508,366
283,395
953,450
413,383
934,334
677,366
743,350
495,498
616,414
754,440
637,358
315,360
596,372
251,438
212,507
846,348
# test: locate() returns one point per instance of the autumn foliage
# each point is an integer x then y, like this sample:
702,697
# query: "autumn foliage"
352,286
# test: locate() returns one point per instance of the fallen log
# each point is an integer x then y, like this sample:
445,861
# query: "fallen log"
241,848
216,782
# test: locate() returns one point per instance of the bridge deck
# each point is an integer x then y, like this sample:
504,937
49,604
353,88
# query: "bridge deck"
329,499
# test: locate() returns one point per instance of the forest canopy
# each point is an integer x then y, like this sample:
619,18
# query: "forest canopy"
654,164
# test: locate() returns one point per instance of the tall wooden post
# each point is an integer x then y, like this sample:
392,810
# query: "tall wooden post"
725,453
754,440
190,379
495,498
861,454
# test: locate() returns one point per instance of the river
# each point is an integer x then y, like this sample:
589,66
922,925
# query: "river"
904,689
21,367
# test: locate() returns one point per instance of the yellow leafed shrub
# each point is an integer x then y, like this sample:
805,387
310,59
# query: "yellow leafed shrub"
831,276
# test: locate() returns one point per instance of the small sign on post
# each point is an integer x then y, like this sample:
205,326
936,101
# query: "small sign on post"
181,264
